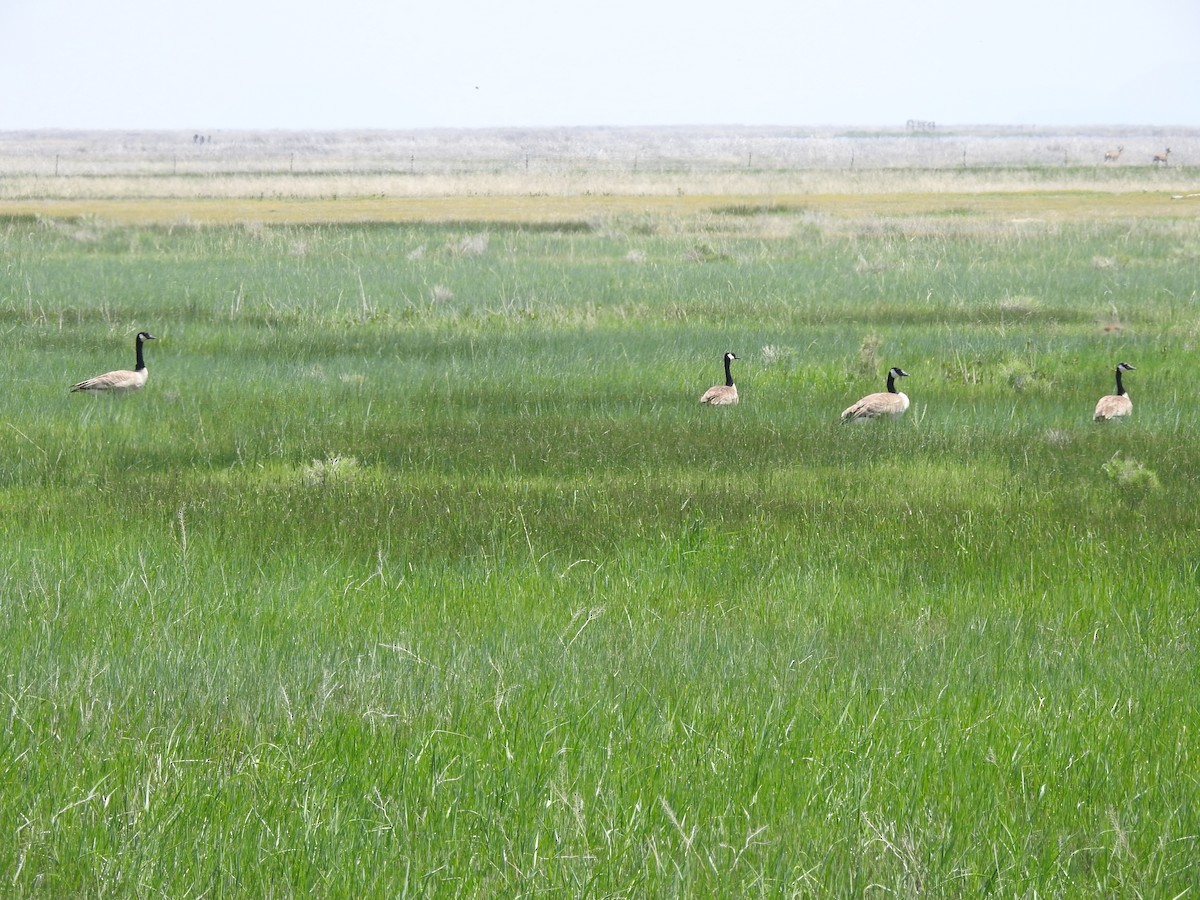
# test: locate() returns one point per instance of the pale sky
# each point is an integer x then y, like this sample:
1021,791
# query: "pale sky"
263,64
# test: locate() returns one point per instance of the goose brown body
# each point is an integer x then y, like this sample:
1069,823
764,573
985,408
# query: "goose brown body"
723,394
121,381
1115,406
885,404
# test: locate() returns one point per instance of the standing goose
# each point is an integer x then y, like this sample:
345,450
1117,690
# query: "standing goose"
891,402
723,394
122,380
1113,406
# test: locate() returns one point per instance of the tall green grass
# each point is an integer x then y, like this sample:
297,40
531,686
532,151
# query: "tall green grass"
418,570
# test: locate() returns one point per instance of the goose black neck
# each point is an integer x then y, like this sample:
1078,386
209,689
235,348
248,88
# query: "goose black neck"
1120,387
728,374
891,383
141,363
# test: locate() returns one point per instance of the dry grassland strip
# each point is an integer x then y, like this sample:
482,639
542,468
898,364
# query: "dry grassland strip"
517,209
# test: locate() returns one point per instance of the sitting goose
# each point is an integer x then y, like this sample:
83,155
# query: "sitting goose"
1114,406
121,381
723,394
891,403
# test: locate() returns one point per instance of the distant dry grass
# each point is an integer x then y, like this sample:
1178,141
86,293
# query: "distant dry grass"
388,176
952,213
758,184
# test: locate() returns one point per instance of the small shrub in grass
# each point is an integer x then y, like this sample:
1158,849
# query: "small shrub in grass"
1058,437
775,366
1017,308
773,354
471,245
864,266
330,471
1020,376
1133,479
707,253
867,361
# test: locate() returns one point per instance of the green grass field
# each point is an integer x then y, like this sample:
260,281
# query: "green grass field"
418,570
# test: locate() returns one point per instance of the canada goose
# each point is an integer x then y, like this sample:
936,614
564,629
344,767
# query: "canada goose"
1115,405
891,402
121,380
723,394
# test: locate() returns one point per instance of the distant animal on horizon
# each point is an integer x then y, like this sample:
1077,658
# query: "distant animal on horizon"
121,381
723,394
1114,406
1113,155
885,404
1161,157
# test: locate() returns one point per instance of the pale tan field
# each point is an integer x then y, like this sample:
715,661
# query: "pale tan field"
587,174
1015,208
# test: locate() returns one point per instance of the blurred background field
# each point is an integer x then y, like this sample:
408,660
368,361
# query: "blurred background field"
587,161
